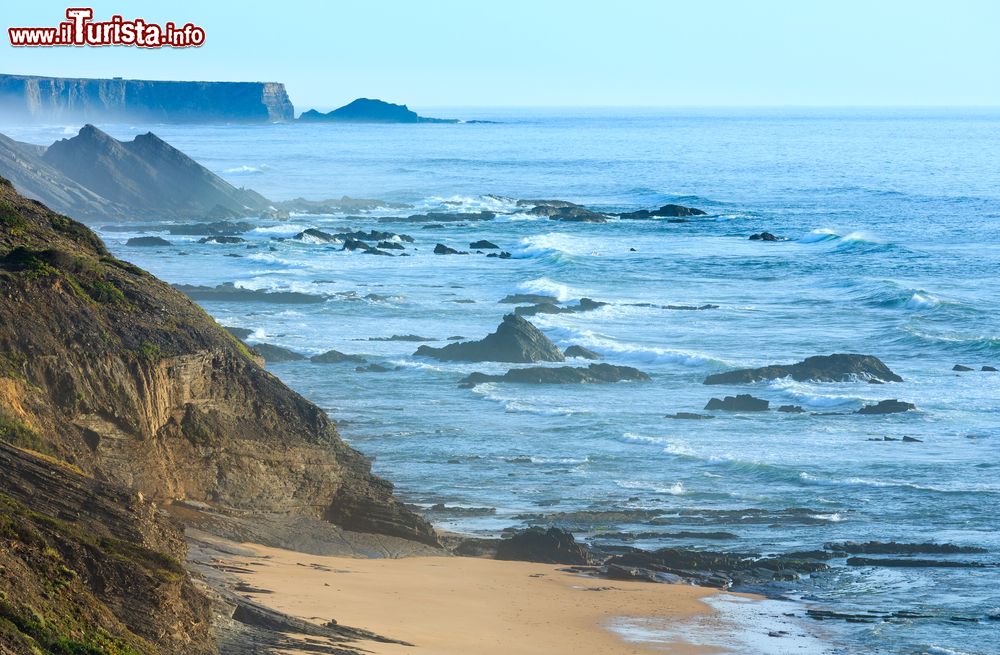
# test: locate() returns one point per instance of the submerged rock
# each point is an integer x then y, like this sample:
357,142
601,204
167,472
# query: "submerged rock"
765,236
820,368
581,352
887,407
147,242
515,340
585,305
551,546
913,563
441,249
443,217
570,214
222,240
791,409
666,211
896,548
593,374
742,403
689,416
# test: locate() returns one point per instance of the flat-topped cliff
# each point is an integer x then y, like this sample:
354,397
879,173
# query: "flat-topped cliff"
35,98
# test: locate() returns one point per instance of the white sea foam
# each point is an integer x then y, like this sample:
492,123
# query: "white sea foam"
622,351
675,489
548,287
246,170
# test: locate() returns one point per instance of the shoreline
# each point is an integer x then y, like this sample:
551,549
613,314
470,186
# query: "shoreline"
458,605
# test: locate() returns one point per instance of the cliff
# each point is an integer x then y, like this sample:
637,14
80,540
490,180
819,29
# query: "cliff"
87,567
34,98
365,110
108,369
94,176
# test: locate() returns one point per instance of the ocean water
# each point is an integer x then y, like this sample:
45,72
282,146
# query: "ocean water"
893,250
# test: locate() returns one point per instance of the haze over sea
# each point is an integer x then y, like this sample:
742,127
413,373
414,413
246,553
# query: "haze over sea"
892,250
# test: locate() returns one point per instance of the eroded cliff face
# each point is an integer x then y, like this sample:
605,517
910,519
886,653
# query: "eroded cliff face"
88,567
30,97
109,369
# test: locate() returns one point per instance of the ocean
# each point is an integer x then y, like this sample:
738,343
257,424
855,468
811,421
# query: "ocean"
893,249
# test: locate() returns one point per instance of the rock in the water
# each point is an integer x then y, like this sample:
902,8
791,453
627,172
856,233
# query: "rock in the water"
820,368
239,333
666,211
441,249
689,416
519,298
147,242
960,368
483,245
593,374
552,546
581,352
741,403
336,357
273,354
791,409
585,305
895,548
887,407
989,369
573,214
229,292
765,236
373,368
515,340
390,245
912,563
222,240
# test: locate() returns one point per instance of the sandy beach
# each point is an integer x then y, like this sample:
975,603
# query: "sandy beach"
458,605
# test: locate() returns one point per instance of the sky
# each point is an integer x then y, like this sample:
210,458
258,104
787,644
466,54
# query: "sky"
581,53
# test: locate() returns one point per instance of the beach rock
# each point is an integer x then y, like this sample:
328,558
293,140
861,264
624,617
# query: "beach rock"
741,403
791,409
483,245
273,354
896,548
222,240
147,242
765,236
337,357
581,352
887,407
961,368
551,546
515,340
689,416
989,369
718,569
593,374
666,211
441,249
820,368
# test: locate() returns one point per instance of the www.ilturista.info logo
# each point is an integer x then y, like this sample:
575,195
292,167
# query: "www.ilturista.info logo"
80,30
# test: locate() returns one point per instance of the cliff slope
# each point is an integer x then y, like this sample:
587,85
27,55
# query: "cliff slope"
32,98
90,568
111,370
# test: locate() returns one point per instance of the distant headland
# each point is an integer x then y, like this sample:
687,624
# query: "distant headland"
366,110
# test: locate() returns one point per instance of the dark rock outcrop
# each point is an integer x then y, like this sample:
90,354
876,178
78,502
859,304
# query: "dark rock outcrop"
570,214
229,292
122,376
791,409
273,354
593,374
742,403
441,217
961,368
337,357
666,211
988,369
821,368
483,245
536,298
441,249
515,340
765,236
147,242
65,100
585,305
689,416
716,569
551,546
366,110
222,240
581,352
895,548
887,407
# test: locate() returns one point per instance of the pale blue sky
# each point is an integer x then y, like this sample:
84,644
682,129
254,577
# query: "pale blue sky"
431,53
